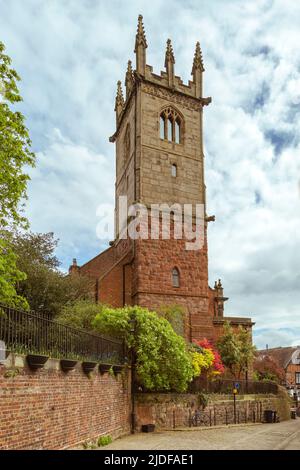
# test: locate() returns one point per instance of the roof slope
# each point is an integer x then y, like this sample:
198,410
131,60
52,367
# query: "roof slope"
281,355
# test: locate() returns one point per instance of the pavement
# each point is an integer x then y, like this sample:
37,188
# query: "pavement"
277,436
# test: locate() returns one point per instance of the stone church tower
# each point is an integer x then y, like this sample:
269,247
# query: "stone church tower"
160,159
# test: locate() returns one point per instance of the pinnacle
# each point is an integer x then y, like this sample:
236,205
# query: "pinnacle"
129,79
129,67
119,97
169,53
140,35
198,61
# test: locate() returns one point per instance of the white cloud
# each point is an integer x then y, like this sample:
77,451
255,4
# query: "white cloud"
67,186
70,55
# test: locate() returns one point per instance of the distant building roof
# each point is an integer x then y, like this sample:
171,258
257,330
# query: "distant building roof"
281,355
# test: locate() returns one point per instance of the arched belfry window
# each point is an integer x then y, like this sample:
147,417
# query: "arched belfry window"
162,127
171,126
175,277
177,131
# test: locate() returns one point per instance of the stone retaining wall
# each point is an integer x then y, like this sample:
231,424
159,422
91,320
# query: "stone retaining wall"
170,410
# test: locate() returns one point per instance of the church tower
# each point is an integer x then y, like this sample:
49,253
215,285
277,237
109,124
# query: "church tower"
160,161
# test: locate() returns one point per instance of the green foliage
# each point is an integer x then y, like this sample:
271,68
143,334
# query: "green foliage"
15,153
81,314
89,445
46,289
14,147
104,440
10,276
236,349
203,399
202,361
11,373
267,369
101,441
175,315
162,359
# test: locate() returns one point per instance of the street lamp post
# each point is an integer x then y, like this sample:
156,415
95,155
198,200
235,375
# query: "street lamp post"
133,360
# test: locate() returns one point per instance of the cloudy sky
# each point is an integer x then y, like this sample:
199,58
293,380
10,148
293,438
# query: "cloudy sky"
70,54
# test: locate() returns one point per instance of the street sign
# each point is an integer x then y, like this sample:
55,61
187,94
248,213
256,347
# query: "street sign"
235,391
237,385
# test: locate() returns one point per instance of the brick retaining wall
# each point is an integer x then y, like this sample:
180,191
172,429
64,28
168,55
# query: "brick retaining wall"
50,409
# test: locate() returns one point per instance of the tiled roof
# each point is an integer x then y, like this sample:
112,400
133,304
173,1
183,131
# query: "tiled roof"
281,355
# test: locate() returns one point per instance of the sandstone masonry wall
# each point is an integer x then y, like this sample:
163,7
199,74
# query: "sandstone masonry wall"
171,410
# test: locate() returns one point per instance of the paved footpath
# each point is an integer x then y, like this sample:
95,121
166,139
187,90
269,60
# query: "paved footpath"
279,436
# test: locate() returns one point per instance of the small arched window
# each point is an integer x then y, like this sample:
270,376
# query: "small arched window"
175,277
171,126
174,170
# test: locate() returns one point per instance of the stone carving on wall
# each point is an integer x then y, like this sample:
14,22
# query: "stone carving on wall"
185,101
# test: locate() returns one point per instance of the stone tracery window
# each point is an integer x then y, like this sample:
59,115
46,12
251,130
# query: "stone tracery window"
162,127
170,126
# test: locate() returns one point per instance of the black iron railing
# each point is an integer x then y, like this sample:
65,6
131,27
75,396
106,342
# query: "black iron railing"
30,333
226,386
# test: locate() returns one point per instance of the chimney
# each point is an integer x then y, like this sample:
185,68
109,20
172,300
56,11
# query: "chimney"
74,268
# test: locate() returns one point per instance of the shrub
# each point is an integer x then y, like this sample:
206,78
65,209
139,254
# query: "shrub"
236,349
104,441
79,315
163,361
202,360
203,399
267,368
217,366
175,315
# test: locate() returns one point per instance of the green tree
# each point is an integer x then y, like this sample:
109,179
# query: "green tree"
267,368
236,349
175,315
15,147
10,275
80,314
162,359
46,289
15,153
